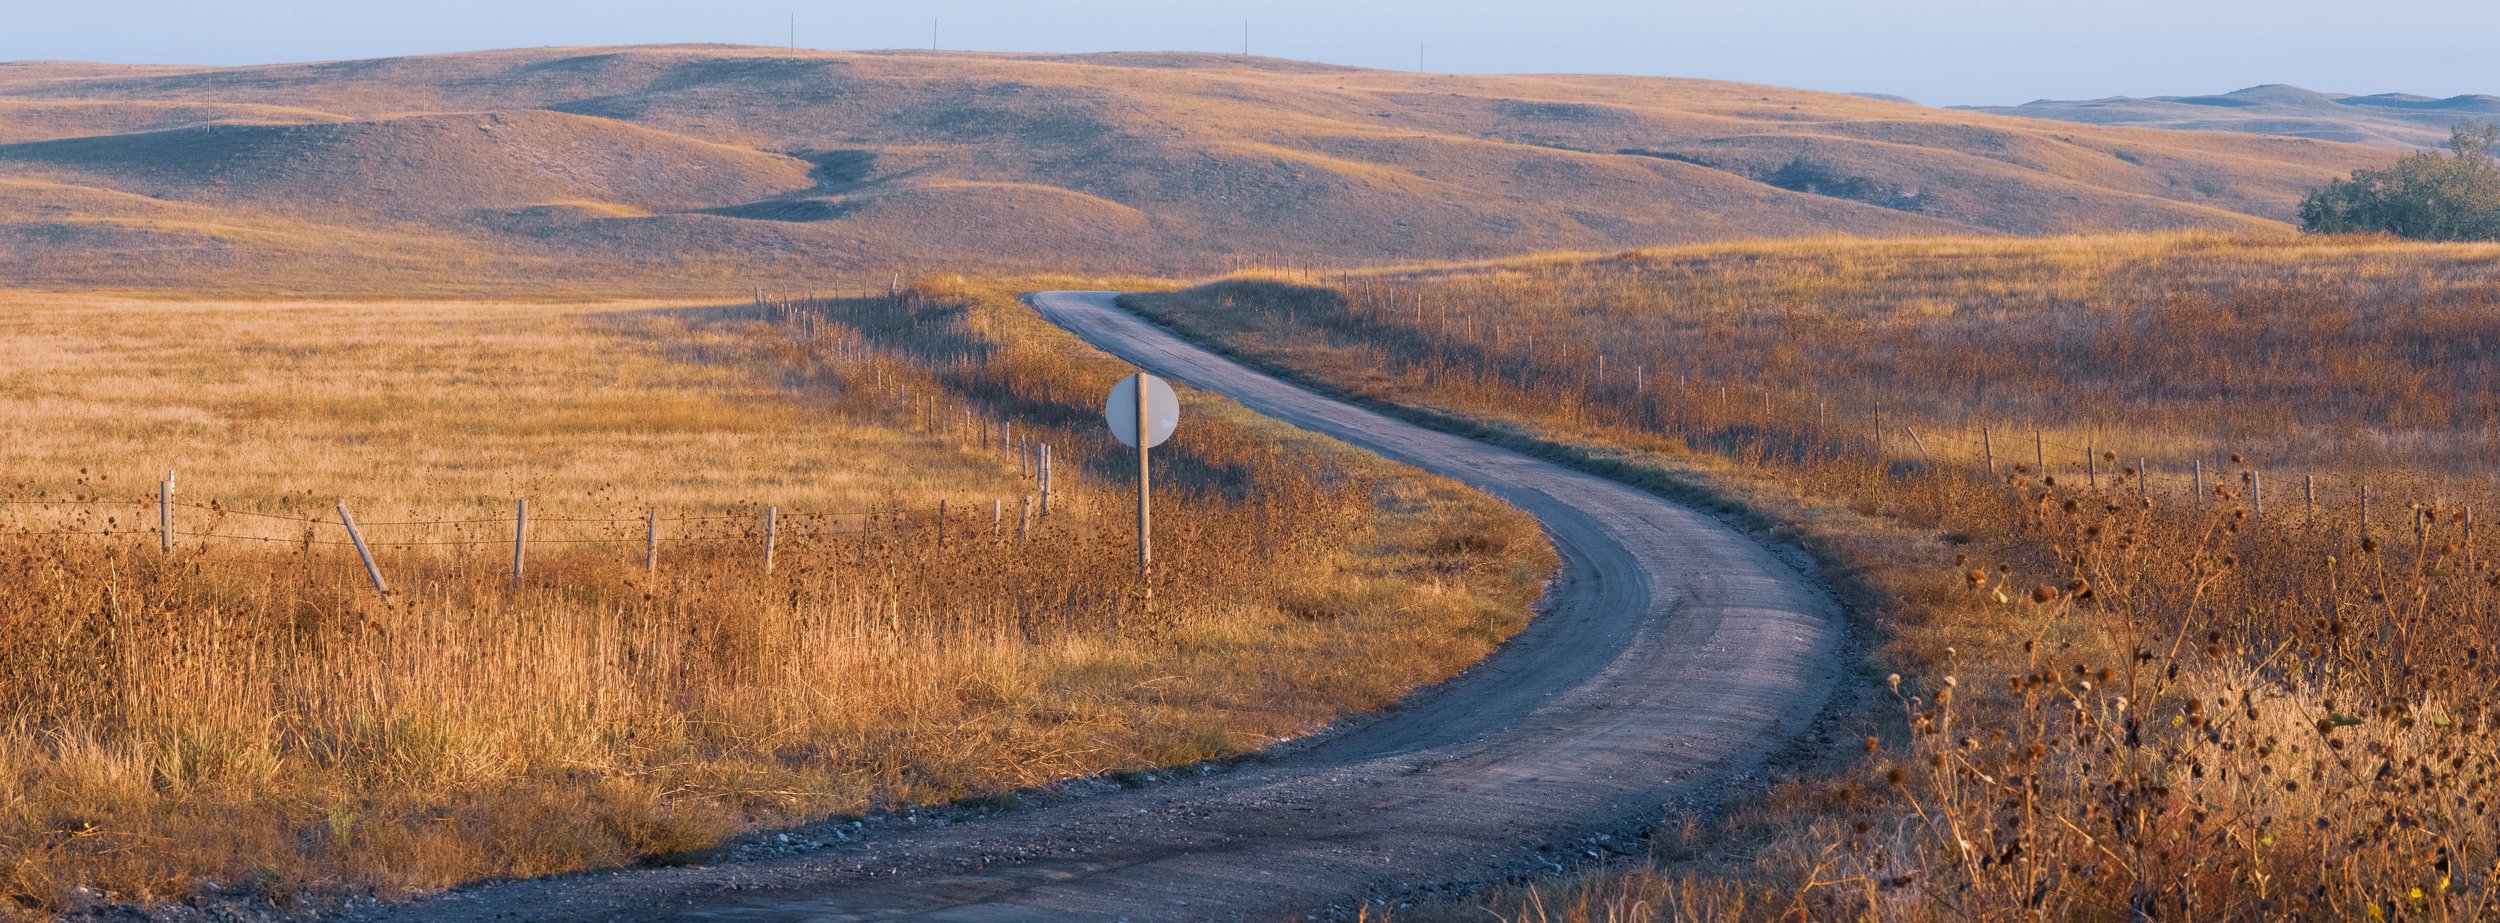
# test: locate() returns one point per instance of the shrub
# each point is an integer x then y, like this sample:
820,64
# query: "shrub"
2425,196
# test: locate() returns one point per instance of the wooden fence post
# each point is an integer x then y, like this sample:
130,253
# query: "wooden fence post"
1988,448
941,526
520,534
2039,455
2198,492
1045,480
371,570
651,543
2309,497
165,514
998,516
1024,522
772,528
2091,465
2257,493
2365,510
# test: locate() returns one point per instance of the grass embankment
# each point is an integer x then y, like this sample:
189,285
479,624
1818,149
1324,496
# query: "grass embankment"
246,712
2120,695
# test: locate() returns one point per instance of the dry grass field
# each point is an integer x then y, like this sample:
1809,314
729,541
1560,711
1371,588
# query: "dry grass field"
689,169
247,713
2116,696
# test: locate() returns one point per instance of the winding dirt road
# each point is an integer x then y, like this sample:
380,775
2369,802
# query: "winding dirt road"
1674,655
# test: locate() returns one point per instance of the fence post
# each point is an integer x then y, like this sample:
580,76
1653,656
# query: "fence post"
1988,448
2091,465
2197,491
371,570
651,543
772,530
165,514
1921,444
2039,455
941,526
520,534
2144,479
998,515
1045,480
1024,522
2365,509
2309,497
2257,493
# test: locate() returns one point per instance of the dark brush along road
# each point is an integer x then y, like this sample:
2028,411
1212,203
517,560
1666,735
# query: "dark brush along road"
1673,657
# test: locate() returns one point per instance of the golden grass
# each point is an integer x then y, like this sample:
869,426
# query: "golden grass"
372,178
245,713
2113,702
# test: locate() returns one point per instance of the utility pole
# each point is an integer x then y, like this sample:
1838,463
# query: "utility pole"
794,32
1245,38
933,21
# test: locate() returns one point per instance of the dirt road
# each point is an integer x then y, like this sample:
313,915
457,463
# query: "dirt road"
1674,655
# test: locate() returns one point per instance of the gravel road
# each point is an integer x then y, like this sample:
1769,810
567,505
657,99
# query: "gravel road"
1673,657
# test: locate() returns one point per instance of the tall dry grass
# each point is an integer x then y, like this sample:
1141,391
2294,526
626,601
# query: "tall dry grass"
2115,699
246,714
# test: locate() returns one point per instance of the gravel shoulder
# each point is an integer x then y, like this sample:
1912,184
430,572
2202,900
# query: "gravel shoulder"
1673,657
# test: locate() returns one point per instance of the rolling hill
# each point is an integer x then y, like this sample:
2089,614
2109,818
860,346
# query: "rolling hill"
696,167
2384,119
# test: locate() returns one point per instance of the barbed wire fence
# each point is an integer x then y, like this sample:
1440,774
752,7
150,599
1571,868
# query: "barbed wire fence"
202,532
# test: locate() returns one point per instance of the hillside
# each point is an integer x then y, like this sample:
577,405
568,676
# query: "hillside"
696,167
424,166
2384,119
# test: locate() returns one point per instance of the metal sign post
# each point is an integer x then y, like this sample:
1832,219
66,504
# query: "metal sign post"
1143,397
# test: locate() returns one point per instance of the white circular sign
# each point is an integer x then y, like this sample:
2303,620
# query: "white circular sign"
1163,410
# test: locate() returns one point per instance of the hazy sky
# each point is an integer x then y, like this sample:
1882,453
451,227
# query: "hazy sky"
1936,51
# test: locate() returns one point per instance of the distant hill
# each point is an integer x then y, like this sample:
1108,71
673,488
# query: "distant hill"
703,167
424,167
2385,120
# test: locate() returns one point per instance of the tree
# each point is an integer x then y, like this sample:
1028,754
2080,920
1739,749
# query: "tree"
2425,196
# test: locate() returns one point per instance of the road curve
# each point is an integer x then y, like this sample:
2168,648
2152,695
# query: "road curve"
1674,654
